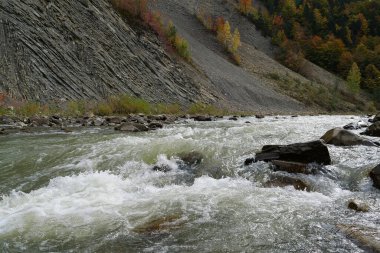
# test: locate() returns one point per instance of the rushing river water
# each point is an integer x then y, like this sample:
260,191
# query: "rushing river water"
94,190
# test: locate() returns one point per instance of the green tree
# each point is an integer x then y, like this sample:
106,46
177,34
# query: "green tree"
353,79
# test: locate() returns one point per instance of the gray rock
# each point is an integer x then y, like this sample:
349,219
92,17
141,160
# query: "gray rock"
157,117
356,125
155,125
6,120
39,121
375,176
132,127
98,121
114,120
373,130
340,137
357,206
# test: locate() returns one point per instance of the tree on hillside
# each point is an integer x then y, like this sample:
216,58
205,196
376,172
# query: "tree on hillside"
235,43
245,6
354,78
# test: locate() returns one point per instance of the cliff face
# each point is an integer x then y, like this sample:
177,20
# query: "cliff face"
52,49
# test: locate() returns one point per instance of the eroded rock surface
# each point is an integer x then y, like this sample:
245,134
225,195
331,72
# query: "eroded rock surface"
62,49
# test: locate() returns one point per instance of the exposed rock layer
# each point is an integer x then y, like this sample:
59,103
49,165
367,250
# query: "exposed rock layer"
53,49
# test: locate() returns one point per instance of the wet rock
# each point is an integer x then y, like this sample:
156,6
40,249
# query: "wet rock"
365,237
375,176
132,127
373,130
5,120
202,118
355,126
283,180
157,117
247,122
309,152
88,115
2,131
259,116
98,122
20,124
192,158
340,137
358,206
233,118
66,130
39,121
114,120
249,161
162,168
376,118
56,120
155,125
295,167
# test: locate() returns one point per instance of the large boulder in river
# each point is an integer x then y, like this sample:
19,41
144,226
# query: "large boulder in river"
309,152
340,137
375,176
373,130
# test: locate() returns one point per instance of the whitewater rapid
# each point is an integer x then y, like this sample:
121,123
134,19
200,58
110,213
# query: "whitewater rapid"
94,190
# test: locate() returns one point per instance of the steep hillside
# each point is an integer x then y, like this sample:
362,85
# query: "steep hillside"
238,85
259,71
84,49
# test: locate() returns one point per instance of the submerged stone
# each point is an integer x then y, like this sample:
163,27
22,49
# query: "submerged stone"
192,158
284,180
168,222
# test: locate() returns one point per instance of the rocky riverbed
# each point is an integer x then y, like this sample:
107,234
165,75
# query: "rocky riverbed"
185,184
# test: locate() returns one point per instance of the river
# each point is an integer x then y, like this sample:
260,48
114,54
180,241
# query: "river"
94,190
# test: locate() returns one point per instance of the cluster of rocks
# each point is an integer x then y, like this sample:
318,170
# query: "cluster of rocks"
372,127
311,157
130,123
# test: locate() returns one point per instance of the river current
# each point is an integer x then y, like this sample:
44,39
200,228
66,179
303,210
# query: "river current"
94,190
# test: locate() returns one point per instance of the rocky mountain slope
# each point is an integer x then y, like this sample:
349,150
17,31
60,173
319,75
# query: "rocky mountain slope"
84,49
